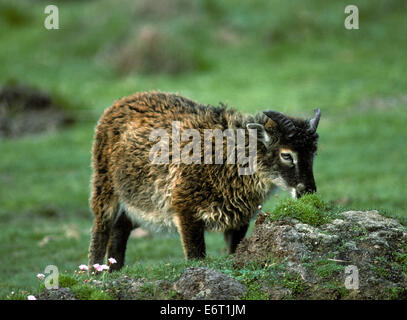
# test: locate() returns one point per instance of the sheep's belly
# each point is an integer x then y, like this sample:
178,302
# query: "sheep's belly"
153,220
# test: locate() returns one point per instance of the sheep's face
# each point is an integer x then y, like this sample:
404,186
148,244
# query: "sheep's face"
293,163
290,148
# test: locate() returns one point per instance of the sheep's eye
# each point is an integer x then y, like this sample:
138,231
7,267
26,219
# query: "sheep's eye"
286,156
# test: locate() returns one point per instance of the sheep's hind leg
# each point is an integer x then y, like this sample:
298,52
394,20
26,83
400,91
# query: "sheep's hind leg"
104,217
233,237
118,239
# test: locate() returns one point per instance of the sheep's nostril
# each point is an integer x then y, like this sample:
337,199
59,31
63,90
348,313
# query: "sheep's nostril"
300,188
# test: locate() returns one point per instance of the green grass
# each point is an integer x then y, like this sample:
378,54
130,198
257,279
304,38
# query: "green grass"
294,283
326,268
309,209
292,57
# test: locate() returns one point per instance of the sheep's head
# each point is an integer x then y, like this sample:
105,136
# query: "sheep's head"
290,148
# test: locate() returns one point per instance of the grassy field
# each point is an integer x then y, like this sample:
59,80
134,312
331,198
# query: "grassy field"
291,57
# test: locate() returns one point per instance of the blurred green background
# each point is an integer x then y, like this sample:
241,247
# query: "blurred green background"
291,56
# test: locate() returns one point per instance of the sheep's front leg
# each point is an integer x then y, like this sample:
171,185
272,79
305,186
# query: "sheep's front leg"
192,232
234,236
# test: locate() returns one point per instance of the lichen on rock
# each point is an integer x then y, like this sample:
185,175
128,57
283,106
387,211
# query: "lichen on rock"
371,245
198,283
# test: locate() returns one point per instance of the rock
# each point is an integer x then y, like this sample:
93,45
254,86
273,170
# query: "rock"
370,247
279,293
208,284
57,294
25,110
128,288
135,286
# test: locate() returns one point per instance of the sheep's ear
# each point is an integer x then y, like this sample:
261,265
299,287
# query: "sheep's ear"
262,134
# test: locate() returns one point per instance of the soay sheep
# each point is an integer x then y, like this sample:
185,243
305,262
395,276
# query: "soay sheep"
144,173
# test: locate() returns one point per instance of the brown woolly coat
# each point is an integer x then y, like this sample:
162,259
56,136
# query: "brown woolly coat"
156,193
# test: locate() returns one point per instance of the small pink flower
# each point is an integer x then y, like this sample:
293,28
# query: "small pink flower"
100,268
112,260
83,267
104,267
40,276
31,297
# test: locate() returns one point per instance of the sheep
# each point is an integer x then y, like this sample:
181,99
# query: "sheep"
130,189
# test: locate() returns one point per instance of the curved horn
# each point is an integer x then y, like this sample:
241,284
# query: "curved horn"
285,123
313,123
